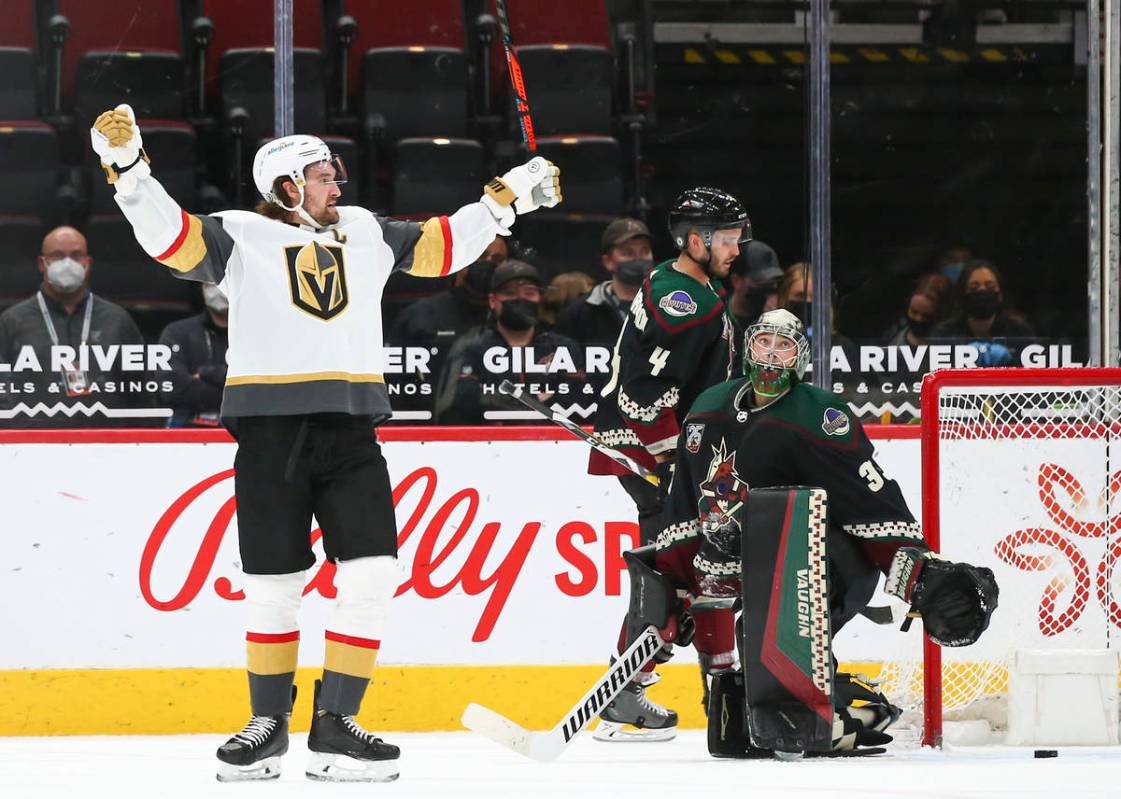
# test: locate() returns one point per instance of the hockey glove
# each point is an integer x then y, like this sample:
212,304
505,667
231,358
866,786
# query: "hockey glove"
524,188
116,140
956,600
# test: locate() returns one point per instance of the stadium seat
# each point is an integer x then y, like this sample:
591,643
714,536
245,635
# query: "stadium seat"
437,175
569,87
558,242
565,53
591,172
414,91
407,64
172,146
126,51
123,272
29,161
247,83
248,25
17,61
20,240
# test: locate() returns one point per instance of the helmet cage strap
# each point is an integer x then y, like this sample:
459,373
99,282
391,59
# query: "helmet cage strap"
298,209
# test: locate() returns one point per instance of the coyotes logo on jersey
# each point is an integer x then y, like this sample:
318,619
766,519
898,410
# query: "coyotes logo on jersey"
722,494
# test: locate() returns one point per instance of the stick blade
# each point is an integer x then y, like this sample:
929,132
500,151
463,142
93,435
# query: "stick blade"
484,721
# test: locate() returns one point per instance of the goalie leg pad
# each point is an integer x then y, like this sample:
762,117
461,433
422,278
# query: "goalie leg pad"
653,596
787,640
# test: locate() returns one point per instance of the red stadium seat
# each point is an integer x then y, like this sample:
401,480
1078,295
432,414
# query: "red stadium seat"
391,23
565,53
568,22
249,24
20,241
128,50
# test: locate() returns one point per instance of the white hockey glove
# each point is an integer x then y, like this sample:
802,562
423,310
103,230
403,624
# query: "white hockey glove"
116,140
523,189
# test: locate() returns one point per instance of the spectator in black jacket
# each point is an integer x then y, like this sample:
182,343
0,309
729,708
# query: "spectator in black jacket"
513,348
198,362
627,256
438,320
64,318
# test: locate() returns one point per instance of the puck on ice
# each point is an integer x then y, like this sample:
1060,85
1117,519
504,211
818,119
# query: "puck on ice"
1046,753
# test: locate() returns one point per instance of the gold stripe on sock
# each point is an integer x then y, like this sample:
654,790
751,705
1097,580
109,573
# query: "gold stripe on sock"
272,658
356,661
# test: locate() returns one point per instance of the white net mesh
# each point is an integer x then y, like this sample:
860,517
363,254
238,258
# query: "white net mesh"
1029,484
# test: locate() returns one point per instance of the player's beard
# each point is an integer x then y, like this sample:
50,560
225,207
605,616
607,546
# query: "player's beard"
328,216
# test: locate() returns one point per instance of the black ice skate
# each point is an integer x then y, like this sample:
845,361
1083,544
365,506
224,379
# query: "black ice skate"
341,751
631,716
254,753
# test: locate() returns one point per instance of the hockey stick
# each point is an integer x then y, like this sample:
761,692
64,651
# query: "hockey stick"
521,100
531,402
546,746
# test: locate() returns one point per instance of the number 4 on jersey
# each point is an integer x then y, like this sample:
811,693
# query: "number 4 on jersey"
658,360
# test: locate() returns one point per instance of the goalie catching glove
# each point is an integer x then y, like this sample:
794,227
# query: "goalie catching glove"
534,184
116,140
956,600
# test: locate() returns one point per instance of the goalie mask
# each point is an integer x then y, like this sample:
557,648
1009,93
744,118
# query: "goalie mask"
776,353
288,157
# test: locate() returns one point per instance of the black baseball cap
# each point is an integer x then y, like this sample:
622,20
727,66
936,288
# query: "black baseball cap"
622,229
759,263
511,269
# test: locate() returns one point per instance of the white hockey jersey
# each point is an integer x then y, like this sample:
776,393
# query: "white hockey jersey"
305,326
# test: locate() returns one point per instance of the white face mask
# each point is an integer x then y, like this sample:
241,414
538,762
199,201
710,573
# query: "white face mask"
66,275
214,299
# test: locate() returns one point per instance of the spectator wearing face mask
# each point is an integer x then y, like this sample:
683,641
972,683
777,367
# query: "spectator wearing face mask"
925,308
65,313
438,320
198,362
441,324
953,261
985,319
513,348
796,294
754,281
627,256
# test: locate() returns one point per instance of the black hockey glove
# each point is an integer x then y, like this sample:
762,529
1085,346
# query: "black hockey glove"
956,600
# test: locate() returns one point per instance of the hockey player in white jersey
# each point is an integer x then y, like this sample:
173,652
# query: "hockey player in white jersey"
304,391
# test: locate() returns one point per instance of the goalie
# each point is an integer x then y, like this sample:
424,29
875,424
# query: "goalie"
741,527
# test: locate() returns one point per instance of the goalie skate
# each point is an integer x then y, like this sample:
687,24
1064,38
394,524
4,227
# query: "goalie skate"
631,716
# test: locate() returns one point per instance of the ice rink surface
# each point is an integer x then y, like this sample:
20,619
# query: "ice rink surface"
464,765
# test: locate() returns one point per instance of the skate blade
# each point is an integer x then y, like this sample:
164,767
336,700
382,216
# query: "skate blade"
265,769
613,732
325,767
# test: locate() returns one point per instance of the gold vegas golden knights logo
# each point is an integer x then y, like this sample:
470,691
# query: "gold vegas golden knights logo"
318,279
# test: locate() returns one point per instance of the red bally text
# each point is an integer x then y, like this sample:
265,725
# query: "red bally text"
449,529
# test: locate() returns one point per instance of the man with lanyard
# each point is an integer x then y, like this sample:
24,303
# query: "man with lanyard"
198,347
64,313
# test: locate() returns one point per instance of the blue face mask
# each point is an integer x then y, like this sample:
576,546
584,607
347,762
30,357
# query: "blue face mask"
952,270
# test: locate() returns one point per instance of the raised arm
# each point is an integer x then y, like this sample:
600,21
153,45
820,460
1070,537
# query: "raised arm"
193,247
443,245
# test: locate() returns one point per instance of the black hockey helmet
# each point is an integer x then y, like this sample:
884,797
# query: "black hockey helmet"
706,210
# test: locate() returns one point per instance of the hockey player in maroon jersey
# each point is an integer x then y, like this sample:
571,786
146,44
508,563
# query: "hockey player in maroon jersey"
741,440
675,342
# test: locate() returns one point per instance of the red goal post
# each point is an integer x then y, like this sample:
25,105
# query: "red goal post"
1054,429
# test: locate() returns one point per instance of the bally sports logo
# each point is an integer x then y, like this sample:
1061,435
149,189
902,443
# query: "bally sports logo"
434,535
1065,500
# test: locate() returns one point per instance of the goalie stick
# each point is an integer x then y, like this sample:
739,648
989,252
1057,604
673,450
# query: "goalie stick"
521,100
547,745
531,402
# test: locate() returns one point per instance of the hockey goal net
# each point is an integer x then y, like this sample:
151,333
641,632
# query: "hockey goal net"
1021,472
